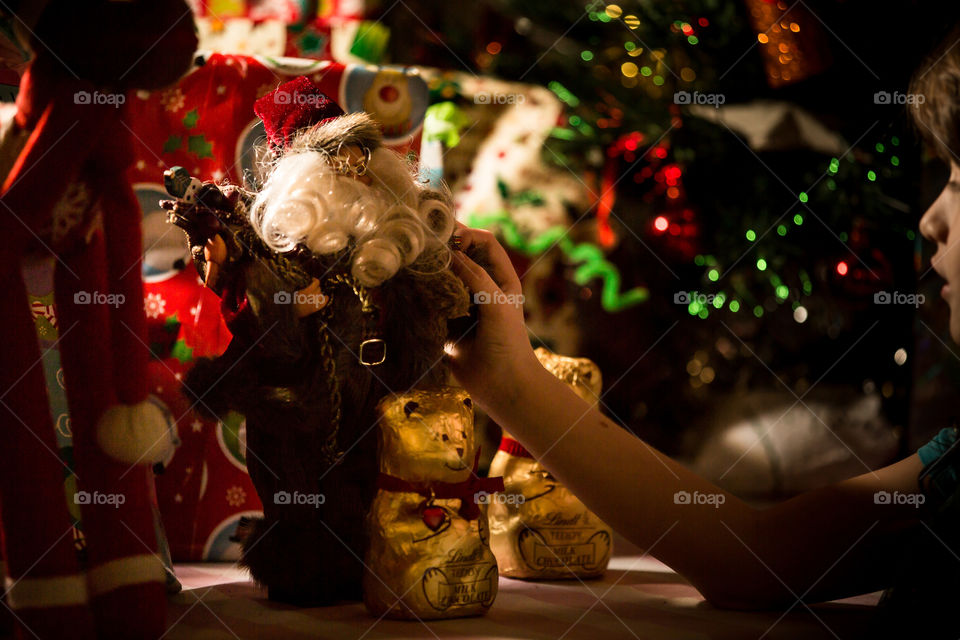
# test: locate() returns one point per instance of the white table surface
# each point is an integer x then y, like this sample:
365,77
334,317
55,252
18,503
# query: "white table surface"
638,597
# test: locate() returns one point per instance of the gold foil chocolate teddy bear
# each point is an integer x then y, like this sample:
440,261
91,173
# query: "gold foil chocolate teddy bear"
538,528
429,554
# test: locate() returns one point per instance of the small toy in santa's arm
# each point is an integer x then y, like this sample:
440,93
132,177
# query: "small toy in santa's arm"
64,152
333,271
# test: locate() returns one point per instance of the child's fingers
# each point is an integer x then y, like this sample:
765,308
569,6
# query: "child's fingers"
502,269
477,280
462,231
473,275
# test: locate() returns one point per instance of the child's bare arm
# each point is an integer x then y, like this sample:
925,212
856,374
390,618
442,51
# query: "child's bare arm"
823,544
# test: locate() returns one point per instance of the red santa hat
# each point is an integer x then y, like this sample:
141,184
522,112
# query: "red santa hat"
292,106
297,116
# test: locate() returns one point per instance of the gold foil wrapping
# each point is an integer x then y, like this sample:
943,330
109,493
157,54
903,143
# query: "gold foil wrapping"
426,560
538,529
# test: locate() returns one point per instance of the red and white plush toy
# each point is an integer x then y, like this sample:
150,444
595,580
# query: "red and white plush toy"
63,159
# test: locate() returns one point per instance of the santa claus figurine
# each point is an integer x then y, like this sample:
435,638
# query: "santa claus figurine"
334,280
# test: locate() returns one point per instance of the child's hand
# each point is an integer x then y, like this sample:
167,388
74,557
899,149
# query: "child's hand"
492,362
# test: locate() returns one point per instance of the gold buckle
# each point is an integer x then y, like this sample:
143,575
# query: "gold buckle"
372,343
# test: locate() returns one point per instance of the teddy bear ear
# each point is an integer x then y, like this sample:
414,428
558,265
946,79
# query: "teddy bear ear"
410,407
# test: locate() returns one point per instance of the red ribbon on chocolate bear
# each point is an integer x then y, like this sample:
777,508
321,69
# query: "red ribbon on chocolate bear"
464,491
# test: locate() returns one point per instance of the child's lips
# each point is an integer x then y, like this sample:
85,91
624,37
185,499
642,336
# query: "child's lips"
945,291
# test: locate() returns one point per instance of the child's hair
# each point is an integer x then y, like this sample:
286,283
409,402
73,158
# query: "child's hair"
935,89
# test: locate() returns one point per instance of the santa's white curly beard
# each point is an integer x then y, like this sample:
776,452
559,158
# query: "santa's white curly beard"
390,223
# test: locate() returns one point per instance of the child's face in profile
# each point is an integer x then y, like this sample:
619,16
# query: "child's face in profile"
940,224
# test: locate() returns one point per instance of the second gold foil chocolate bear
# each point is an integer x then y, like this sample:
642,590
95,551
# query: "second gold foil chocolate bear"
429,554
538,529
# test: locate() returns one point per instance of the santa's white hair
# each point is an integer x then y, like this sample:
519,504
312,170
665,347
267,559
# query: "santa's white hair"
389,224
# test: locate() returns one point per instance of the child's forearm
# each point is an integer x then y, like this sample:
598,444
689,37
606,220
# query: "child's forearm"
734,554
631,486
820,545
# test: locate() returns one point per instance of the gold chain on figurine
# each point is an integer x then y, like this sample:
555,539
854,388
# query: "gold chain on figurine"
331,451
358,289
373,352
373,348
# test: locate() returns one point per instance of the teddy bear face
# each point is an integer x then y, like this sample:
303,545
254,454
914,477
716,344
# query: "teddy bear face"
427,435
582,374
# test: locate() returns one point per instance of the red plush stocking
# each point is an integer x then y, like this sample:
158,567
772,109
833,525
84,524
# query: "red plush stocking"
117,431
46,591
125,576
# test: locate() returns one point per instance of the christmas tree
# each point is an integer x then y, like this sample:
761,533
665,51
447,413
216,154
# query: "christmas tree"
755,189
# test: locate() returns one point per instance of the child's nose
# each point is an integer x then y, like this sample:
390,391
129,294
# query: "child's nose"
933,226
